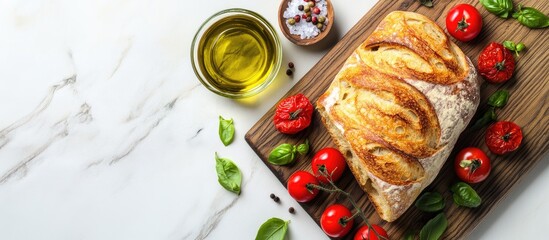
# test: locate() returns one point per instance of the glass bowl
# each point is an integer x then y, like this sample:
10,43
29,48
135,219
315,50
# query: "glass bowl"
236,53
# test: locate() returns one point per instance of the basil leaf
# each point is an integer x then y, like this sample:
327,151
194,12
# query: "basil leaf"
303,148
228,174
272,229
283,154
465,195
531,17
520,47
434,228
426,3
226,130
499,98
430,202
509,45
501,8
488,117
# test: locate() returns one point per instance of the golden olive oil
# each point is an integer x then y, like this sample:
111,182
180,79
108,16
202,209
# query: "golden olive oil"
236,54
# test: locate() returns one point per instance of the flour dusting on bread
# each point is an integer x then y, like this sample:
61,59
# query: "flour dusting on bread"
397,107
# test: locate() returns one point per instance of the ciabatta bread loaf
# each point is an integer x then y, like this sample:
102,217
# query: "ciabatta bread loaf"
397,107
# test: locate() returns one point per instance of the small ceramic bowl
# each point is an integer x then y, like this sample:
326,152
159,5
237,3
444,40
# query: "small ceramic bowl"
296,39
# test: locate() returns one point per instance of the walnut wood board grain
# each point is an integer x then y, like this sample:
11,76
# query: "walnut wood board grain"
527,107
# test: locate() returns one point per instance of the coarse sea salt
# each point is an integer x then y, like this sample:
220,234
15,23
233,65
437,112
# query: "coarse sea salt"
303,28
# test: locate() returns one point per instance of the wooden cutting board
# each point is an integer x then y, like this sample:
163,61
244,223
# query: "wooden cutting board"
528,107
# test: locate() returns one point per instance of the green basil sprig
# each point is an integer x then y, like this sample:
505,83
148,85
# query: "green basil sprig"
272,229
488,117
226,130
434,228
501,8
514,47
228,174
430,202
497,100
285,153
531,17
465,195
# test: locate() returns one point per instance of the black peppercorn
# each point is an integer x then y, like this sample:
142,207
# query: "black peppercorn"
291,65
276,199
300,7
289,72
272,196
291,210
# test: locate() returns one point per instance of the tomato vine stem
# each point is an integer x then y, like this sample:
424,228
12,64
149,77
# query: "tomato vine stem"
335,189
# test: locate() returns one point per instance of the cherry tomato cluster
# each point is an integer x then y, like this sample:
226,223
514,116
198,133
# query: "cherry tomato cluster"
327,160
473,166
497,65
328,164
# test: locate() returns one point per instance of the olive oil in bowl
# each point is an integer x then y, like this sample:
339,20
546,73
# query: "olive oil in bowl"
237,54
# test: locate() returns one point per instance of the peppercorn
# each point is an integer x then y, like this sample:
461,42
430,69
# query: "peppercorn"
272,196
297,18
319,26
314,20
321,19
291,210
306,8
291,65
289,72
276,199
304,16
300,7
311,3
316,10
308,14
291,21
309,19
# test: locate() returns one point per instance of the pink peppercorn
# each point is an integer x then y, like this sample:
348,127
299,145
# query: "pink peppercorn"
316,10
297,18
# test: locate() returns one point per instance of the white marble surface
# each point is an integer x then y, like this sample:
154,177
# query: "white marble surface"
105,132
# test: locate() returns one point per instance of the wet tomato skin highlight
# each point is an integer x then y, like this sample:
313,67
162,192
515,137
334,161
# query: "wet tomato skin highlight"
464,22
472,165
333,162
364,233
297,186
335,221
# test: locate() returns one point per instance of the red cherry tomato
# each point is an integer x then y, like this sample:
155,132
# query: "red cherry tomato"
472,165
297,186
496,63
332,161
503,137
336,221
463,22
364,233
293,114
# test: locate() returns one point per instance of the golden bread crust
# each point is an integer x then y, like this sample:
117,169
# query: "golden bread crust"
397,107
